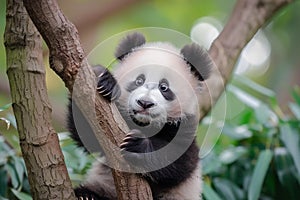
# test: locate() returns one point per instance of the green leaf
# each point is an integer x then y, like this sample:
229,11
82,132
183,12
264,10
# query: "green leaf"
227,189
259,174
290,136
20,169
230,155
6,121
244,97
5,107
295,109
265,115
21,195
2,198
209,193
296,94
286,172
237,132
13,175
3,181
254,86
210,163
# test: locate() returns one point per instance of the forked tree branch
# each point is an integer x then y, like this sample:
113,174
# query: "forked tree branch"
67,58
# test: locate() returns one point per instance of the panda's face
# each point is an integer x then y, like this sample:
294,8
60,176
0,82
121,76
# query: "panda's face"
149,97
156,86
154,94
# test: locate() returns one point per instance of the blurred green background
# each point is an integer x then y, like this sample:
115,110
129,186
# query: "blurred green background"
256,157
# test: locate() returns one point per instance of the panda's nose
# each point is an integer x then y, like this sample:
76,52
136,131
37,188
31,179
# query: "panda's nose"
145,104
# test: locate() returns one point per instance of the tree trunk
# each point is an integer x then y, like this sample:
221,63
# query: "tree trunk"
47,173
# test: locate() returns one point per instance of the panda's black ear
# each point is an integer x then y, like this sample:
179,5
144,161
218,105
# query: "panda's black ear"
198,59
128,43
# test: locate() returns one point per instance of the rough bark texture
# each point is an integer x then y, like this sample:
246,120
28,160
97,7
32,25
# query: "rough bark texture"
47,173
67,57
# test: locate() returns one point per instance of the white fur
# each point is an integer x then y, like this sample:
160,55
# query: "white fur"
190,189
157,61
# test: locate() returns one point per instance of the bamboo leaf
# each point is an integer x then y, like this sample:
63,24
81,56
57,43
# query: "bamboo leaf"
21,195
295,109
5,107
286,172
230,155
254,86
228,189
291,138
209,193
259,174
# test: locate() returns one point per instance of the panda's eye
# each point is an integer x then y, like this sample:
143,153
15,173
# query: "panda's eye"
163,87
139,81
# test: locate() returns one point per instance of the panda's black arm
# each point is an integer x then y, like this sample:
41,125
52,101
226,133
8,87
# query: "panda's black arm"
175,172
182,168
107,85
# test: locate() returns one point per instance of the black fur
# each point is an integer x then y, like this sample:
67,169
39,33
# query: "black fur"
167,93
134,85
198,59
176,172
107,85
130,42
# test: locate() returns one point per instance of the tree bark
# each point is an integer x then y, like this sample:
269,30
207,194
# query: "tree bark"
67,59
47,173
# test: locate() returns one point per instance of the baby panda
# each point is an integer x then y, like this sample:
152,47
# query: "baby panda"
156,88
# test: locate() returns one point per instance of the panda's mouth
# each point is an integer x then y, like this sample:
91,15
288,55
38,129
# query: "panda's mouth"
142,112
143,117
146,113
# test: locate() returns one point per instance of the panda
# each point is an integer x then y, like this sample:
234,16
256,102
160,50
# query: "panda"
156,88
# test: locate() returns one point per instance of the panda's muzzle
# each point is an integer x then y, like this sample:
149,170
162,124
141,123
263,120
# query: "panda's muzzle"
145,104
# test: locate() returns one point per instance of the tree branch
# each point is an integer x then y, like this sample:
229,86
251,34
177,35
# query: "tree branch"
47,173
247,17
67,58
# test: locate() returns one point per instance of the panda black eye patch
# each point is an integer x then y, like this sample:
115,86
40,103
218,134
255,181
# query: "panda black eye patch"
139,81
165,90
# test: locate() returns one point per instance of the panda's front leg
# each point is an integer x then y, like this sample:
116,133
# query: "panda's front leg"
107,85
134,149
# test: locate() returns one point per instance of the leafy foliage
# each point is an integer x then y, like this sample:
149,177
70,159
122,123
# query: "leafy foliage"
257,156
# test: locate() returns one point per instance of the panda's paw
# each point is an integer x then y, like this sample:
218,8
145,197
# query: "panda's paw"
107,85
83,193
134,146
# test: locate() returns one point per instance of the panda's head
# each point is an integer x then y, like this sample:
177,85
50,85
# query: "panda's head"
159,83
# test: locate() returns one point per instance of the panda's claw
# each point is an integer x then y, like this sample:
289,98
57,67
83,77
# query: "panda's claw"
123,145
106,94
83,193
135,133
107,85
100,75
